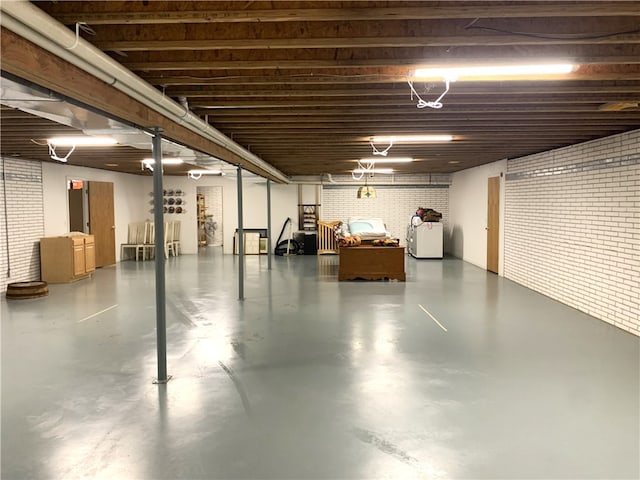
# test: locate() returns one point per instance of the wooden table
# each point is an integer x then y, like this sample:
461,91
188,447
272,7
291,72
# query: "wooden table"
371,263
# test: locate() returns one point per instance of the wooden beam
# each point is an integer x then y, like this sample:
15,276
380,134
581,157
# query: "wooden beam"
629,73
405,64
449,100
287,91
442,114
471,39
435,10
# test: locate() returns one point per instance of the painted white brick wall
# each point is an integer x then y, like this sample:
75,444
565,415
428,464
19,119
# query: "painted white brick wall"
24,221
572,227
395,205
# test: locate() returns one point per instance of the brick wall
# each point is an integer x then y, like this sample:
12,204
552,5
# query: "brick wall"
24,222
572,227
395,204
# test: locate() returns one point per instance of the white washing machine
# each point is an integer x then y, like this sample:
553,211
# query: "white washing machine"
425,240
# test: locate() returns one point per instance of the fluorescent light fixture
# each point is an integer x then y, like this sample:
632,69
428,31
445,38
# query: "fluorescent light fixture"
149,162
196,174
412,138
387,160
73,142
81,141
206,172
455,73
165,161
374,170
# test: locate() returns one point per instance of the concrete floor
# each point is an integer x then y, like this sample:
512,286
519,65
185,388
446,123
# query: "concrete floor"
314,378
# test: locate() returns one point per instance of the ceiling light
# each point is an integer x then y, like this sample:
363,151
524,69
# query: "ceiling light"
81,141
149,162
165,161
73,142
366,192
459,73
373,170
196,174
387,160
412,138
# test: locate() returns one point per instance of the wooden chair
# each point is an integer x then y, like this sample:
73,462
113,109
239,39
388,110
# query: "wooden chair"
176,237
149,248
327,237
135,240
169,248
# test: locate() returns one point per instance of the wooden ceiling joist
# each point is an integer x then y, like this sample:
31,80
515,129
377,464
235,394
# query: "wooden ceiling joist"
304,85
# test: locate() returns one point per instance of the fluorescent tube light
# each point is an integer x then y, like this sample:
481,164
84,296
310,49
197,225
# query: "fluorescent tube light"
387,160
375,170
196,174
206,172
411,138
455,73
165,161
81,141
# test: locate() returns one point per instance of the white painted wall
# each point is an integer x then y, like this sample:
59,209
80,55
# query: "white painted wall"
130,196
468,210
284,203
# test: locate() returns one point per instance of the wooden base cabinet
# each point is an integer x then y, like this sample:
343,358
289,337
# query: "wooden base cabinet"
371,263
67,258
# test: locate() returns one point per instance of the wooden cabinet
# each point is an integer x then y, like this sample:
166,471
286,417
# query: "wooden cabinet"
67,258
371,263
89,254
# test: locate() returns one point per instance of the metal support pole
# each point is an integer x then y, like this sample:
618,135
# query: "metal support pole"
269,224
158,219
240,239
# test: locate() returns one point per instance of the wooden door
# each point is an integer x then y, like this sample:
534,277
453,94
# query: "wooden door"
102,222
493,223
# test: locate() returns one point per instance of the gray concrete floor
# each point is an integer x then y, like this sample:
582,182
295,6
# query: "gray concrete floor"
314,378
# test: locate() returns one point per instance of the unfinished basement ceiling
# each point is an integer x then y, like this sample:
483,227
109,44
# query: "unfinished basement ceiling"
304,85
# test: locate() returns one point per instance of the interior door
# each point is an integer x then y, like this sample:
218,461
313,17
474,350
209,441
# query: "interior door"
102,222
493,223
76,210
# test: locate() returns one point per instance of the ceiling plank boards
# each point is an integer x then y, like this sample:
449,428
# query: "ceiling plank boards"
305,84
153,15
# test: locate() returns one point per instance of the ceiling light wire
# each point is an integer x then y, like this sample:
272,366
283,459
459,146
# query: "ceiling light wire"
52,153
423,103
381,152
